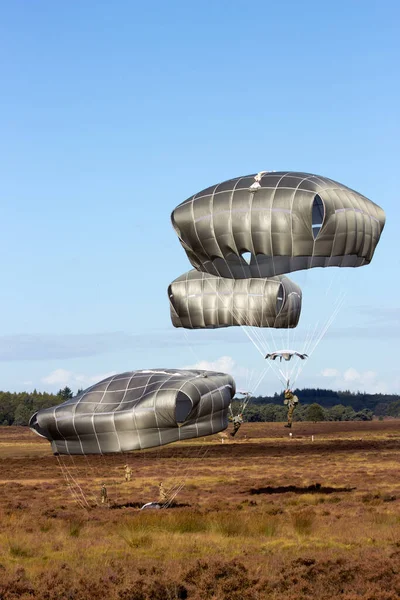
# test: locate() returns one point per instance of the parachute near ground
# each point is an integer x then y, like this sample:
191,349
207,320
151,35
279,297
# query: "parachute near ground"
277,222
137,410
203,301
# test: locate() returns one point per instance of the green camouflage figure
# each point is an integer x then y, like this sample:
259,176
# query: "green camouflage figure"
291,401
103,494
128,473
162,493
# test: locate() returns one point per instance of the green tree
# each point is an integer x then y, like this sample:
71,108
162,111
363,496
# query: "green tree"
22,414
336,413
315,412
363,415
65,393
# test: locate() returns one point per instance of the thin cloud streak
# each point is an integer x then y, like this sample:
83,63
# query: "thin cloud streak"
39,347
65,346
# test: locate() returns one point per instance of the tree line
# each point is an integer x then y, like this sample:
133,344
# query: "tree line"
16,408
307,412
325,405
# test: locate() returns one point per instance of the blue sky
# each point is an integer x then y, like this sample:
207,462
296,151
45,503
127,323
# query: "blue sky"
114,113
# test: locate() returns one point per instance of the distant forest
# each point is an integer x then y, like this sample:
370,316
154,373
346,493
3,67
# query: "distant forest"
325,405
315,405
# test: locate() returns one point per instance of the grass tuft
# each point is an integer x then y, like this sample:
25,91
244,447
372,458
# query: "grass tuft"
303,521
17,550
75,527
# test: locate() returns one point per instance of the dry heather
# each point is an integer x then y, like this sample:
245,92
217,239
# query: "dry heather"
260,517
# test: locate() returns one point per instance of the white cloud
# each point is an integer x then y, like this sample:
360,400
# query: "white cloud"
351,375
245,379
354,380
59,376
62,378
225,364
330,372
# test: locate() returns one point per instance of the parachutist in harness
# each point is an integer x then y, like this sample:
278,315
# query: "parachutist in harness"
237,420
291,401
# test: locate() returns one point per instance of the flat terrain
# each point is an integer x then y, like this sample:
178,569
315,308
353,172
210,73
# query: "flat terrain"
259,516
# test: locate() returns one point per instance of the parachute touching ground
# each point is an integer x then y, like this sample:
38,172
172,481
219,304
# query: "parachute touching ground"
137,410
277,222
203,301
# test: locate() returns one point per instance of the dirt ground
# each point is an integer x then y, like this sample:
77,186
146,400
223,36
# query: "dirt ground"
263,515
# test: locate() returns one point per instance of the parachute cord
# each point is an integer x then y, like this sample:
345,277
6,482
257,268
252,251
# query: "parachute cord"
172,496
78,475
78,496
178,467
316,339
96,476
329,323
295,370
176,487
196,356
74,485
325,329
259,381
69,485
76,481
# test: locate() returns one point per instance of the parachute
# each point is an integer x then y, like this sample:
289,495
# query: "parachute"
277,222
137,410
243,235
203,301
286,355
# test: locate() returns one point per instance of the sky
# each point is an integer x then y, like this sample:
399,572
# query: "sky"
114,113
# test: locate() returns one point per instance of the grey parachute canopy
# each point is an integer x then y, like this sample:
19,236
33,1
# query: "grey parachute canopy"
138,409
285,355
200,300
277,222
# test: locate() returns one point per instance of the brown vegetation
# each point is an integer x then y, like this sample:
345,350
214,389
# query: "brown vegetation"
260,517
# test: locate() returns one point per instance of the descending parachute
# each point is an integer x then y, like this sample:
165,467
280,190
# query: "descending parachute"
285,355
137,410
202,301
275,223
258,228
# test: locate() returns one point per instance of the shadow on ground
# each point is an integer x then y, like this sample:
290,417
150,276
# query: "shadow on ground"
315,488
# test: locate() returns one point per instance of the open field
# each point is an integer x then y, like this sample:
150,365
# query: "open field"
262,516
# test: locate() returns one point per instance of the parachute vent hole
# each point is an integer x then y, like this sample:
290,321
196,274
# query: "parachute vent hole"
318,215
171,297
183,407
247,256
280,298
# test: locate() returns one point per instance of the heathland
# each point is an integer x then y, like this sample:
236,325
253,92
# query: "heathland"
260,516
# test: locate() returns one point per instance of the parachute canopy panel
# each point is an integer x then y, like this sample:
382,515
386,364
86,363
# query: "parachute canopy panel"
277,222
137,410
203,301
